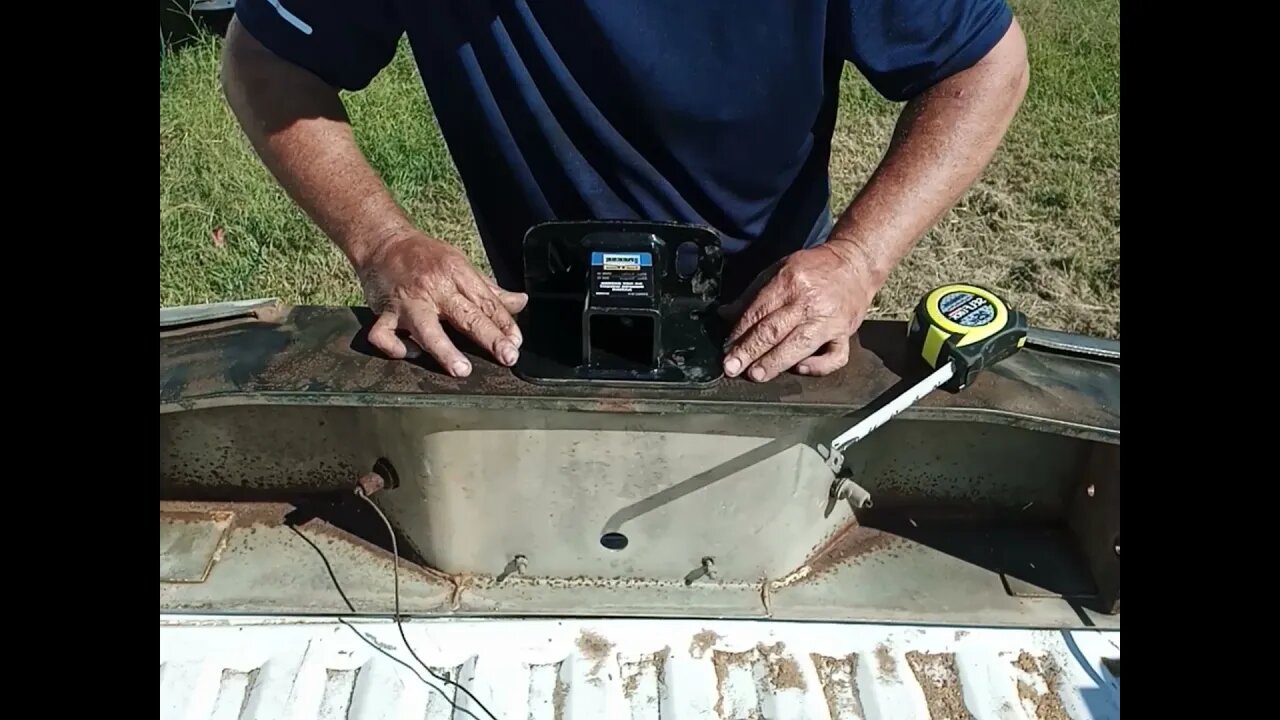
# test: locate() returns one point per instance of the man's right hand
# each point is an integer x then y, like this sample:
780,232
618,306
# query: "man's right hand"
418,284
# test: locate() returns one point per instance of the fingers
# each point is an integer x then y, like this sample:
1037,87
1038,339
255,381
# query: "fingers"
497,309
514,302
383,336
426,330
766,304
490,300
475,322
831,358
803,340
760,338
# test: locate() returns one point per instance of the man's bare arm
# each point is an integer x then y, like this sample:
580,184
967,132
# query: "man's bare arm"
942,142
298,126
806,309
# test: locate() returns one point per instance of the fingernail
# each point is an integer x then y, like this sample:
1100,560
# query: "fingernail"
508,354
517,339
732,366
757,374
803,369
462,368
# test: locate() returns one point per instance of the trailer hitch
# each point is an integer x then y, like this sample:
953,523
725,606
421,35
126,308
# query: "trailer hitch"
622,303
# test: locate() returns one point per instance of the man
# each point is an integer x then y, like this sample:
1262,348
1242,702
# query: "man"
716,112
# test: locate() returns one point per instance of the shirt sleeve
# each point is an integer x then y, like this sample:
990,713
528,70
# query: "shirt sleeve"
346,43
903,47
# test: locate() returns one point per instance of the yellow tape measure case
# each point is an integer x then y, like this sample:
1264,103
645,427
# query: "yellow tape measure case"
967,325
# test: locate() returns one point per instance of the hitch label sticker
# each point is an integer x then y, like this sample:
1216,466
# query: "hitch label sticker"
621,261
622,274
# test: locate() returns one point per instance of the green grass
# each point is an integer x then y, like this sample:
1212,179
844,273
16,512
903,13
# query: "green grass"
1042,224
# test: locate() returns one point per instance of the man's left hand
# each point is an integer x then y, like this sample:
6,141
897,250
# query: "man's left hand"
800,314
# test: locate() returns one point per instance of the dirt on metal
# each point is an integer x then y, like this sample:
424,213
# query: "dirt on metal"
247,517
701,643
1048,705
939,677
854,544
634,672
838,678
783,670
886,665
325,350
721,662
596,649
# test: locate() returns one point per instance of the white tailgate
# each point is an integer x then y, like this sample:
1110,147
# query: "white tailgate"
283,668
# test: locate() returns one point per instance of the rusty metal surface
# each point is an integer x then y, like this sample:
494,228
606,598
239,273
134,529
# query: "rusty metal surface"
262,308
474,484
190,542
279,558
319,355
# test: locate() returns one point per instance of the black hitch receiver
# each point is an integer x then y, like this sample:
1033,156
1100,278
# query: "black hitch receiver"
622,303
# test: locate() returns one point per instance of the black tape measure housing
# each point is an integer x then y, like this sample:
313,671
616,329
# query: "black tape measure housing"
968,326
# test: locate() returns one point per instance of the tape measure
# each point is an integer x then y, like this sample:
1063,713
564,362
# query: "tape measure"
967,326
958,330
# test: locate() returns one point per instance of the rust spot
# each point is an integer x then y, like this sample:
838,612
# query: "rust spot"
838,677
615,405
243,515
852,545
634,671
722,661
557,698
595,648
784,671
184,517
940,680
1048,705
250,516
887,666
701,643
630,685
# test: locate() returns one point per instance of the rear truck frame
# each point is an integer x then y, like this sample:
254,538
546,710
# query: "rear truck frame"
993,512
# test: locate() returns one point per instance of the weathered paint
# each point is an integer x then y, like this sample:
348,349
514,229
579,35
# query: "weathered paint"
302,668
320,355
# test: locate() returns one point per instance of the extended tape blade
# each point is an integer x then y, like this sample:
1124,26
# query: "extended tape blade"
893,407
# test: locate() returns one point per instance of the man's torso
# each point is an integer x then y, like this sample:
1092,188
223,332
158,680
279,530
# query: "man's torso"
713,113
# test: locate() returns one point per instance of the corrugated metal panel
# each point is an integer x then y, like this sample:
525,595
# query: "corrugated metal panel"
295,669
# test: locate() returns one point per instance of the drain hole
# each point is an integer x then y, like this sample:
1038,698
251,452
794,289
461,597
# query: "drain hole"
614,541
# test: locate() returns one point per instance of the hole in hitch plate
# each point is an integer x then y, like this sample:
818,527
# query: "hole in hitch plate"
623,341
614,541
686,259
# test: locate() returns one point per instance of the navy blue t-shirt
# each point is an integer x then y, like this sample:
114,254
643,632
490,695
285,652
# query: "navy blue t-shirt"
715,112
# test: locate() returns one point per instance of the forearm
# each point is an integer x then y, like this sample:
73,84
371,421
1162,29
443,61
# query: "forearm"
299,128
942,142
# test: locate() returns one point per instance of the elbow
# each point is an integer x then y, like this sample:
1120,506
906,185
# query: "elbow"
1017,67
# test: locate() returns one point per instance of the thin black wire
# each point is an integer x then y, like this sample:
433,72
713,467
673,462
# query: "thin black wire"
395,553
369,641
337,585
